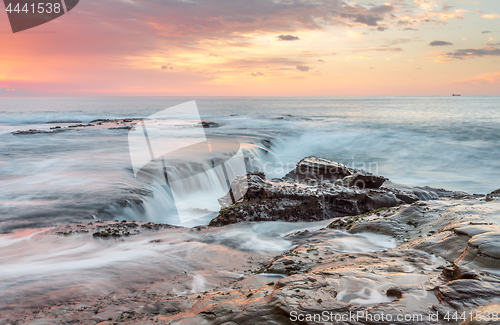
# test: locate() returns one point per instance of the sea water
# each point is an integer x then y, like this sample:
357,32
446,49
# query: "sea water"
46,179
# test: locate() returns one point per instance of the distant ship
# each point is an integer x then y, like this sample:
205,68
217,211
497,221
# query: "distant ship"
456,95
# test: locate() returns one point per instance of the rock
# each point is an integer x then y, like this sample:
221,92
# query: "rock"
394,292
484,315
209,124
467,289
266,200
319,169
487,244
306,194
425,193
33,131
495,195
127,127
323,170
459,272
150,309
365,180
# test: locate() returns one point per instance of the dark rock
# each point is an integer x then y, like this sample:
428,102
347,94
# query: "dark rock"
365,180
34,131
459,272
151,309
322,170
209,124
408,198
319,169
394,292
495,195
127,127
284,199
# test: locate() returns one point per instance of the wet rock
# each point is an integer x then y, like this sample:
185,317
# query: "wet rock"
127,124
128,127
394,292
33,131
323,170
150,309
364,180
319,169
495,195
209,124
484,315
459,272
467,289
286,202
487,243
113,229
310,198
425,193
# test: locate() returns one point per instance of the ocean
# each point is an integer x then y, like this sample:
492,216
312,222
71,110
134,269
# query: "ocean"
84,174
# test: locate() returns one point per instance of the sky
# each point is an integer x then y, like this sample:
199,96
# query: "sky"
257,48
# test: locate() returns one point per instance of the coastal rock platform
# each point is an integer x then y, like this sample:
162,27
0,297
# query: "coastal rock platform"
389,254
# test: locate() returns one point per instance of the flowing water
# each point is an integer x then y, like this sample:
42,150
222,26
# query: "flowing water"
445,142
49,179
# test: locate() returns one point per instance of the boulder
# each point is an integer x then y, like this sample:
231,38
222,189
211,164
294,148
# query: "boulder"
289,199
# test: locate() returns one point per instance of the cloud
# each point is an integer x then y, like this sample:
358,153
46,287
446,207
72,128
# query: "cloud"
440,43
321,61
383,9
288,38
303,68
490,16
410,29
369,20
164,67
469,53
258,74
485,32
363,15
382,28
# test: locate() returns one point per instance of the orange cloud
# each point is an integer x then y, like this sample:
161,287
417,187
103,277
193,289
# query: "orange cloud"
490,16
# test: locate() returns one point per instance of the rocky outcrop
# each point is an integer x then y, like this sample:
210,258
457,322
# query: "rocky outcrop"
495,195
271,200
111,229
418,263
320,170
119,124
316,189
209,124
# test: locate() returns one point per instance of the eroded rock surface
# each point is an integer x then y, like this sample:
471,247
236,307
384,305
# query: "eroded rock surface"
413,261
417,260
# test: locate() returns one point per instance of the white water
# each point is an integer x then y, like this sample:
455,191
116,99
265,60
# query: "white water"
52,178
36,264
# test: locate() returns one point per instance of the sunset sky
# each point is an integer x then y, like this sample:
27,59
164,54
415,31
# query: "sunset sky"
257,47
